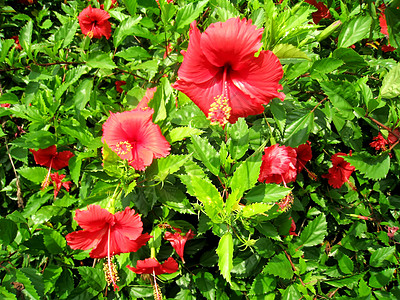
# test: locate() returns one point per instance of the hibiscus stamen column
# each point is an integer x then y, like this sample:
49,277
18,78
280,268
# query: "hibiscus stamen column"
111,271
45,182
220,110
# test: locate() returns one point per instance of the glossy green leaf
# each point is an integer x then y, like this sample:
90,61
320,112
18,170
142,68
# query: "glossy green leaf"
204,152
8,231
133,53
289,51
314,233
188,13
253,209
391,83
131,6
345,264
267,193
54,241
239,139
354,31
279,266
25,37
34,174
94,277
380,255
206,285
180,133
126,27
297,132
373,167
225,256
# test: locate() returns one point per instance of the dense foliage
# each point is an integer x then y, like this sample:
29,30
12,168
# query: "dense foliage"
120,179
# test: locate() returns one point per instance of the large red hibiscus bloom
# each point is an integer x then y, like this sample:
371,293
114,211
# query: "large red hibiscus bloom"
133,136
50,158
152,266
221,74
278,165
94,22
340,171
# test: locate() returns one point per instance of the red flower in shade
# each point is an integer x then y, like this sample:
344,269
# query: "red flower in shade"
379,142
292,230
143,104
304,155
118,85
321,13
387,48
221,74
108,234
94,22
27,2
114,3
17,44
278,165
133,136
57,183
6,105
50,158
383,23
393,137
178,240
152,266
340,171
392,231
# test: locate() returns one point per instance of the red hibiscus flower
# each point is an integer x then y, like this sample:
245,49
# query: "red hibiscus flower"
94,22
50,158
340,171
304,155
178,240
27,2
392,231
133,136
383,23
143,104
108,234
387,48
321,13
152,266
17,44
379,142
118,85
221,74
114,3
393,137
278,165
6,105
57,183
292,230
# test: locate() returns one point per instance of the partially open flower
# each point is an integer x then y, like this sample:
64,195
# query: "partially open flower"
178,240
340,171
58,183
152,266
118,84
379,142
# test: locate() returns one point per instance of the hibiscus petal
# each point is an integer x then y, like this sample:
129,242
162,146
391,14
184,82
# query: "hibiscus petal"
94,218
61,160
260,78
84,239
128,224
195,66
170,266
228,43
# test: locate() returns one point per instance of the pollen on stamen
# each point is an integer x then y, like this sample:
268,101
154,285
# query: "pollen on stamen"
122,148
111,275
219,111
90,34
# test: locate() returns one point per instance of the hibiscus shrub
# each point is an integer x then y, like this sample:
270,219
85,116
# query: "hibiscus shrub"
207,149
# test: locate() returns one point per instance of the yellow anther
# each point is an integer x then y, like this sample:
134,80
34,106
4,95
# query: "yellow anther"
122,148
219,111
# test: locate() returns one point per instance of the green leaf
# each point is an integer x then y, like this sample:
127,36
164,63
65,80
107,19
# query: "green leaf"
207,194
225,10
246,175
94,277
99,59
206,285
83,94
162,167
238,143
291,292
380,255
262,285
204,152
354,31
349,282
391,83
180,133
35,140
172,197
225,256
54,241
188,13
5,46
267,193
50,276
393,23
373,167
46,213
297,132
280,266
111,161
8,231
126,28
131,6
315,232
324,66
351,58
71,77
133,53
25,37
289,51
253,209
29,290
66,33
345,264
34,174
72,128
6,294
342,96
381,278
